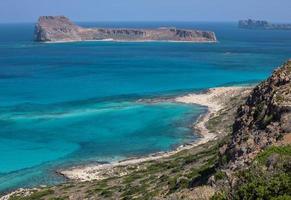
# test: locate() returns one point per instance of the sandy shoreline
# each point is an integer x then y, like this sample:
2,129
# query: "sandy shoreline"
213,99
133,41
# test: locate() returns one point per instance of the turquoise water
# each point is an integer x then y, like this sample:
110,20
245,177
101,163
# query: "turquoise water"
77,103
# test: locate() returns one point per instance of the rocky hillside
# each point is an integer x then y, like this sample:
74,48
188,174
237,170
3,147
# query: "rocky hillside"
263,120
60,28
255,163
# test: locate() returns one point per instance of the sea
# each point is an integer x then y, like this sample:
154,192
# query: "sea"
68,104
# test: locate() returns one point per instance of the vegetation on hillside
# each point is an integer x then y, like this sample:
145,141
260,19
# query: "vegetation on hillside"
268,177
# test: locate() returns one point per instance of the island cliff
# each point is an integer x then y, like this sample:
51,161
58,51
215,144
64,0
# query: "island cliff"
262,24
61,29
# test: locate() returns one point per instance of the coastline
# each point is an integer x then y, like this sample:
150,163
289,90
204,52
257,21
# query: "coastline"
129,41
213,99
217,100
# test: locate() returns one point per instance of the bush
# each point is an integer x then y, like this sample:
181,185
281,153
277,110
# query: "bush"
282,151
219,175
260,183
284,197
219,196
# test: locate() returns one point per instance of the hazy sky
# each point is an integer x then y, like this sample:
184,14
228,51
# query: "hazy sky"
146,10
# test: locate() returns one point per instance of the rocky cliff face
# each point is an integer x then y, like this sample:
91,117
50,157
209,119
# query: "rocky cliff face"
263,120
60,28
49,28
261,24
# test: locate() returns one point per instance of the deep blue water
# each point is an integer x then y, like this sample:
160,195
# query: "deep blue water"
74,103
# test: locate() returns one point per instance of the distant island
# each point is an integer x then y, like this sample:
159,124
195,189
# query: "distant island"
61,29
262,24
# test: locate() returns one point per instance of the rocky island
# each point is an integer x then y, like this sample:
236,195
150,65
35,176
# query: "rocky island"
262,24
61,29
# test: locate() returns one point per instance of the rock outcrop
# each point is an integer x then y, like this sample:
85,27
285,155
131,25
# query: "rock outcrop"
263,120
263,25
60,28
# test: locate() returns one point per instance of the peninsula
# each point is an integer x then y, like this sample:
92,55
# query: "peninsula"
61,29
262,24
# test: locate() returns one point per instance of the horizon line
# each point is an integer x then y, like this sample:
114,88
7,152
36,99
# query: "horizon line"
128,21
143,21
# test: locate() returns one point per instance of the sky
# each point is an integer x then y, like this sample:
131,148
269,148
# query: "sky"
146,10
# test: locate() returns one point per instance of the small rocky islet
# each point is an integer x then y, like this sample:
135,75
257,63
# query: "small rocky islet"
251,158
262,25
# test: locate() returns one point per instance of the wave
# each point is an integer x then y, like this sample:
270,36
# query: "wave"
51,114
67,110
79,108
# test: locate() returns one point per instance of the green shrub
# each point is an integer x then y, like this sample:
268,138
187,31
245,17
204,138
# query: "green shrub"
257,184
261,182
282,151
283,197
219,175
219,196
34,196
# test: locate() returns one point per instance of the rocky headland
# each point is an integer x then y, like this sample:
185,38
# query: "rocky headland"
264,119
61,29
262,24
255,162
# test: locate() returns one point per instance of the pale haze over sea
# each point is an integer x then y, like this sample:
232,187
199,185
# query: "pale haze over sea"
146,10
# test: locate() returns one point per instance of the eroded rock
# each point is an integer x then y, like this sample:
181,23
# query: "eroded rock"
263,120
